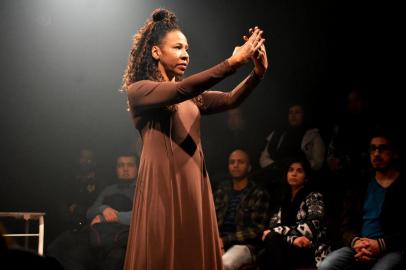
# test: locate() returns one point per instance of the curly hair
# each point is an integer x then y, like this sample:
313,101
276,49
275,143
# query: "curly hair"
141,65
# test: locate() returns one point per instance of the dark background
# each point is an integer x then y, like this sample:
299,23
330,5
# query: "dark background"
62,64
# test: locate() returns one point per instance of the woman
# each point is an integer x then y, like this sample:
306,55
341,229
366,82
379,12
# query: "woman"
174,222
293,140
297,233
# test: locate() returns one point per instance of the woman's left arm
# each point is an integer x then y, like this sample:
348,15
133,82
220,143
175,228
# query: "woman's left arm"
216,101
313,223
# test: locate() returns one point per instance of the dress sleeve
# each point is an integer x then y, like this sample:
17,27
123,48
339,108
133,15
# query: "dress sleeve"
151,94
216,101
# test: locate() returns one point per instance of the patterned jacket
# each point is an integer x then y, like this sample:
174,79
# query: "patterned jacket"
309,223
251,217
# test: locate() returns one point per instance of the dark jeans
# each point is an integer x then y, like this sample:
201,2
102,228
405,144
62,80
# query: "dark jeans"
343,259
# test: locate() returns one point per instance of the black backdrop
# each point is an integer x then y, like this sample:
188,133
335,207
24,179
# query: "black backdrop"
62,63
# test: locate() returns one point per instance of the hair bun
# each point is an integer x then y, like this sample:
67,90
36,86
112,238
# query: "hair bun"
160,14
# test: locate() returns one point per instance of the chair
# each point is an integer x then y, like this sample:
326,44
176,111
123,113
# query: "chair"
27,216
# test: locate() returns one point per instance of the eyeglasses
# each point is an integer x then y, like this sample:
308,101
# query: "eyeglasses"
380,147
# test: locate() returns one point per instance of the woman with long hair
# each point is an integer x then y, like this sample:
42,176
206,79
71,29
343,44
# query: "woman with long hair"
174,223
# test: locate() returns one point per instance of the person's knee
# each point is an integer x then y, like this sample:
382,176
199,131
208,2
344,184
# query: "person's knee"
228,265
325,264
228,262
337,260
390,261
235,257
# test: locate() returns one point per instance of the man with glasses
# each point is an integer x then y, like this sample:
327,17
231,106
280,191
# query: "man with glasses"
371,228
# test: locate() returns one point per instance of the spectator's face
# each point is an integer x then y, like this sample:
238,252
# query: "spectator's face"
296,175
381,153
238,164
126,168
295,116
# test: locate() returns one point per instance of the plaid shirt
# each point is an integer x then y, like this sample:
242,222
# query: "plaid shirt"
251,217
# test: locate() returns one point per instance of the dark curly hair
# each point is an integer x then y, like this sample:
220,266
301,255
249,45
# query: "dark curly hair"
141,65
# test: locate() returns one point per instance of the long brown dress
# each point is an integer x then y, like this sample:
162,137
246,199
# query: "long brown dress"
174,224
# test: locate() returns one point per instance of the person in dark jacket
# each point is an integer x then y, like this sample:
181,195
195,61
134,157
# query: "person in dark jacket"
296,236
372,232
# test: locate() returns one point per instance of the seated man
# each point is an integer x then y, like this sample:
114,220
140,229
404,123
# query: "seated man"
371,226
109,219
242,211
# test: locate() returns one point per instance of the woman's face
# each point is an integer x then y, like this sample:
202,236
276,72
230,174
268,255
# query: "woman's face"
296,175
172,54
295,116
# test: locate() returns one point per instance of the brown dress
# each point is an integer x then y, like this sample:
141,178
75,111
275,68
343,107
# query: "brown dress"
174,223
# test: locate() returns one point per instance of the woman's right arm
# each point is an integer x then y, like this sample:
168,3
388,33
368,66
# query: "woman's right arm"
150,94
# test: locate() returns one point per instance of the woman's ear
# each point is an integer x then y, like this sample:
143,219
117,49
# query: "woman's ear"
156,52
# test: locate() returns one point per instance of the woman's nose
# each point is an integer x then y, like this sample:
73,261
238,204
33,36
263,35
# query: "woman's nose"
185,55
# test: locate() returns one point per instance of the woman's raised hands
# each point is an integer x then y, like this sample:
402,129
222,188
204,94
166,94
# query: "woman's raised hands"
244,53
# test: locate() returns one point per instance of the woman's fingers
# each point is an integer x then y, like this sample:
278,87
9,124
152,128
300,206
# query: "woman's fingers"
254,43
259,44
253,35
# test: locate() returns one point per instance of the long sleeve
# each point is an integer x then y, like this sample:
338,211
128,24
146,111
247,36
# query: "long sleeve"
311,225
393,237
252,224
151,94
394,233
265,159
98,207
319,151
124,217
314,148
217,101
100,204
